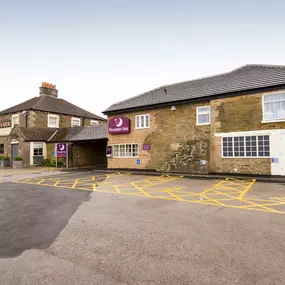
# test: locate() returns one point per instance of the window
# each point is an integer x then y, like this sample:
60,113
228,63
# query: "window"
274,107
15,120
125,150
53,121
1,148
38,149
142,121
75,122
93,123
248,146
203,115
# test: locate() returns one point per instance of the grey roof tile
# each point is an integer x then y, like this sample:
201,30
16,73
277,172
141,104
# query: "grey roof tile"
53,105
82,133
37,134
242,79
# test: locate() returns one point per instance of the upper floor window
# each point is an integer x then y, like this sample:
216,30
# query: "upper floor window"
142,121
94,123
15,120
274,107
75,122
53,121
203,115
1,148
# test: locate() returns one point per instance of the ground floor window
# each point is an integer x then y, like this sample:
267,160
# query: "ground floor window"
125,150
1,148
246,146
38,149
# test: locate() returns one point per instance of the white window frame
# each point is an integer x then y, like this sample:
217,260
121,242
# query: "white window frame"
113,152
144,120
249,135
94,122
263,118
53,116
32,151
198,112
13,117
42,147
74,119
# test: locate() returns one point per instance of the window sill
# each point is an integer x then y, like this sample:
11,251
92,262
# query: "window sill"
142,128
208,124
273,121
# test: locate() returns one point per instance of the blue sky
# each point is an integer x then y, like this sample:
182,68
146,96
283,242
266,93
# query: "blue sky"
101,52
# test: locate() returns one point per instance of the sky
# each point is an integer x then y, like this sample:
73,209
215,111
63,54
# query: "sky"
101,52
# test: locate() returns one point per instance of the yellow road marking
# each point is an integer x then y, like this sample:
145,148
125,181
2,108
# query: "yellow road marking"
140,189
218,195
246,189
75,182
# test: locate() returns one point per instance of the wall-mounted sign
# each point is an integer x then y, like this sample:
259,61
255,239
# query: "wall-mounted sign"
146,146
275,160
5,124
138,161
109,151
119,125
61,150
203,162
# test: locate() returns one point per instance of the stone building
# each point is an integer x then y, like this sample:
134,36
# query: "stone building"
27,129
228,123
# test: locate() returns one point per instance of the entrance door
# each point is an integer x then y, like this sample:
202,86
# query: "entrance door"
14,151
282,154
278,153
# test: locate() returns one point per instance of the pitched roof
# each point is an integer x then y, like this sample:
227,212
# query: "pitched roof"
82,133
248,77
37,134
53,105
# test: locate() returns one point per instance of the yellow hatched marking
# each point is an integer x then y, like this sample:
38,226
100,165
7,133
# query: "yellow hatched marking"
75,183
140,189
246,189
41,181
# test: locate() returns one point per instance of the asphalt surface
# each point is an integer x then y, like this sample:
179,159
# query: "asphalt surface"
64,236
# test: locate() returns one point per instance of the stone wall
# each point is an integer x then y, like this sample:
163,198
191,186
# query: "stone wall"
171,135
24,147
238,114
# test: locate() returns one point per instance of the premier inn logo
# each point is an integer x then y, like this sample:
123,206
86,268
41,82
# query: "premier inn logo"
119,125
5,124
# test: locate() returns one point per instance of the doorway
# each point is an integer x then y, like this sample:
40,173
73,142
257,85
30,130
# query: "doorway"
14,152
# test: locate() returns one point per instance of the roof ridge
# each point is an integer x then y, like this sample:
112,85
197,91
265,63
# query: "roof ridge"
41,98
259,65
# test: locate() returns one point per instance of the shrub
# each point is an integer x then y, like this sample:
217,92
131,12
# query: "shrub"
46,162
18,158
4,157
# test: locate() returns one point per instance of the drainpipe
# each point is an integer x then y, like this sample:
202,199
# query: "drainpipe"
27,119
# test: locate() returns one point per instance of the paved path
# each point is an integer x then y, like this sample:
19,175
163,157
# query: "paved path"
55,236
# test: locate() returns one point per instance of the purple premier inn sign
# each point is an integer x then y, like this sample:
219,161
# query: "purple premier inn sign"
119,125
61,150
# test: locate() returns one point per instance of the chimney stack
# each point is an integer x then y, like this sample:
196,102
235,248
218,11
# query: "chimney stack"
48,89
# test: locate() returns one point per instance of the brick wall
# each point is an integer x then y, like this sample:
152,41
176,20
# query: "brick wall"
176,143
